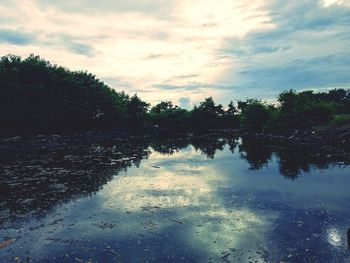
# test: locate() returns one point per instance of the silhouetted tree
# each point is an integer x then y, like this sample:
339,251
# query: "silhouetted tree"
207,115
168,116
137,110
254,114
37,96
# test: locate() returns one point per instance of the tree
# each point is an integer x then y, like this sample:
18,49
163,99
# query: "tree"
207,115
305,109
254,114
231,119
36,96
137,110
168,116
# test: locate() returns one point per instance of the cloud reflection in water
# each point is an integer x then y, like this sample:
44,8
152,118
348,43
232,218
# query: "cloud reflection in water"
181,193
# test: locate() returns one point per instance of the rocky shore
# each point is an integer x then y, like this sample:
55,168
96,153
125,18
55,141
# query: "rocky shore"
331,143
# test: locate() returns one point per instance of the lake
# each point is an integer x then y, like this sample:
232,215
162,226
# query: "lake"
207,199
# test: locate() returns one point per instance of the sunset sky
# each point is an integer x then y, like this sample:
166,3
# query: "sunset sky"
186,50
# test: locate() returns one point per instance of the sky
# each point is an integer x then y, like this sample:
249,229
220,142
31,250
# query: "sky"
187,50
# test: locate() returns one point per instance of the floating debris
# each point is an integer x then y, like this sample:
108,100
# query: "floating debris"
112,252
176,221
225,257
7,242
105,225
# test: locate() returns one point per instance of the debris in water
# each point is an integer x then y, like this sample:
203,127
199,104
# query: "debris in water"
111,252
7,242
105,225
176,221
225,257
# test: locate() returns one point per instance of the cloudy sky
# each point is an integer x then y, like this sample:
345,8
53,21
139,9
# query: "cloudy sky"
186,50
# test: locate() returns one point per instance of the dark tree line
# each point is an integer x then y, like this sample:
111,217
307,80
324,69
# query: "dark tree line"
295,110
37,96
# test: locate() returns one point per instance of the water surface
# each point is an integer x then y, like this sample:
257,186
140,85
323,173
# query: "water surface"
179,200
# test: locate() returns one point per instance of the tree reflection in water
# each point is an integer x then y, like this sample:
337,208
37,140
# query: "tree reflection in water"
36,177
40,175
292,160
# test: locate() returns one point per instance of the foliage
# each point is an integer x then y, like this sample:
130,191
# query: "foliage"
170,117
37,96
254,114
137,110
207,115
306,109
340,118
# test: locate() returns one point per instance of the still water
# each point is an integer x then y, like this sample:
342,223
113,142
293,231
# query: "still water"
178,200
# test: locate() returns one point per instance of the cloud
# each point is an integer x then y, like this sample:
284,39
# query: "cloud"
241,50
306,49
80,48
111,6
188,76
16,37
188,86
141,42
77,46
168,49
319,72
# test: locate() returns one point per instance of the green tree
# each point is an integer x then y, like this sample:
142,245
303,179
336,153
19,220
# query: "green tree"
36,96
137,110
169,116
304,109
254,114
231,118
207,115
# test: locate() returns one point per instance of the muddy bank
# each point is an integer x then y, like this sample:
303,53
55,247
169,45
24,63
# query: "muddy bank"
331,143
326,143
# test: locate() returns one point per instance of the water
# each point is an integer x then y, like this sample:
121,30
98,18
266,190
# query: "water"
183,200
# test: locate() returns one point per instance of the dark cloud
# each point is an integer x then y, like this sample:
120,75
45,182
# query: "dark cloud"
80,48
306,49
16,37
23,38
308,15
317,73
303,73
72,43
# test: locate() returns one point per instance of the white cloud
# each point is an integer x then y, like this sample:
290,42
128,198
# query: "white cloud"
327,3
137,45
185,42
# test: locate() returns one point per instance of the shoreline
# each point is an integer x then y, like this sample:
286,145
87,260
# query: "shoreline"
331,143
326,142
